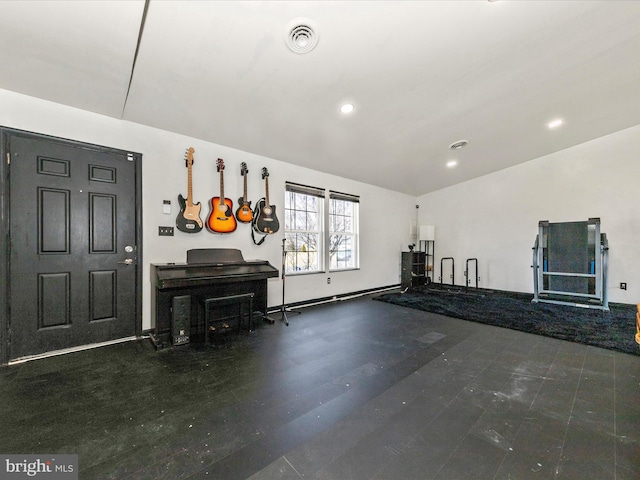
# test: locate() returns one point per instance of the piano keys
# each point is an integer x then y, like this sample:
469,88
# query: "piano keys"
208,273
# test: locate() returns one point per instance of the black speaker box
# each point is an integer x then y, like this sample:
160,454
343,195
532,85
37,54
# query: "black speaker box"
180,319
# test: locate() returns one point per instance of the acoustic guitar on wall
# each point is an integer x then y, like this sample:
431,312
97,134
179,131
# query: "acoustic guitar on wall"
188,220
265,219
221,219
244,213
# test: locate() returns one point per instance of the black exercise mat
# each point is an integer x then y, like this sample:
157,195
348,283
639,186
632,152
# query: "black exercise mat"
614,329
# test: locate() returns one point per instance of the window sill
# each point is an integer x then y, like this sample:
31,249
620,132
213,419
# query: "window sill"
295,274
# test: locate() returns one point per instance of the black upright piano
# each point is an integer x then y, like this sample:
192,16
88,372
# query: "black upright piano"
209,274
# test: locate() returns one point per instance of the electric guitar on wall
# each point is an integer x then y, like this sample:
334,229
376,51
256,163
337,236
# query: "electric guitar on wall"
265,220
188,220
221,219
244,213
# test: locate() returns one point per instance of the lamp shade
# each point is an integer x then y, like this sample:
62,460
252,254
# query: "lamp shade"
427,232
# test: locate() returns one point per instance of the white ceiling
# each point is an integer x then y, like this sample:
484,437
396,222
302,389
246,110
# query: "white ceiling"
421,75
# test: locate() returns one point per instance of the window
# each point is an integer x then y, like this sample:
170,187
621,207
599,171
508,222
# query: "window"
306,235
303,224
343,231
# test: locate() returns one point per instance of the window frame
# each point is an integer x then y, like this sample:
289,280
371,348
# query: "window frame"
352,233
291,252
325,231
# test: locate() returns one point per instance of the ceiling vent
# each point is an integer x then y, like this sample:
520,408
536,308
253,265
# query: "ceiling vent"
301,36
458,145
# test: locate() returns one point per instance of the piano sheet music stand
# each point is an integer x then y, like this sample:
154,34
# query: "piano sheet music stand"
283,308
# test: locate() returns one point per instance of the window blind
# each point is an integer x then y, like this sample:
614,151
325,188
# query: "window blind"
344,196
304,189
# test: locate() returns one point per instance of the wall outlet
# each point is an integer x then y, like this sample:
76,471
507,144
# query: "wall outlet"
623,285
165,231
328,280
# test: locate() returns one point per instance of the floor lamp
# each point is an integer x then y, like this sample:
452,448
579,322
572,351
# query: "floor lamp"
283,307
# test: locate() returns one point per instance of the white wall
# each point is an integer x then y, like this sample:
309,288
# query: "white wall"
495,217
384,215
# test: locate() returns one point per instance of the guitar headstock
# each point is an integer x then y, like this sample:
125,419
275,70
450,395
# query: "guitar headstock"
220,164
188,157
265,172
243,168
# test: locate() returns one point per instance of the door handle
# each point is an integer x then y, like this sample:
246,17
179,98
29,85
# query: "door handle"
128,261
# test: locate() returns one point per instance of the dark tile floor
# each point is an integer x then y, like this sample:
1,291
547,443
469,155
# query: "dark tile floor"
354,390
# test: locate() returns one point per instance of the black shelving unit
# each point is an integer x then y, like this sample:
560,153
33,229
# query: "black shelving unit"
417,266
413,269
428,247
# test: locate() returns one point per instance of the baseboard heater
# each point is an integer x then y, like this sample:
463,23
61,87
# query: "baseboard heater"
336,298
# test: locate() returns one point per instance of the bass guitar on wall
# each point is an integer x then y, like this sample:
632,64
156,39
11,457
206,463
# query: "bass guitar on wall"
221,219
188,220
244,213
265,220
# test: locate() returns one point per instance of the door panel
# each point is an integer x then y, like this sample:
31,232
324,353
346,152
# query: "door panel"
72,213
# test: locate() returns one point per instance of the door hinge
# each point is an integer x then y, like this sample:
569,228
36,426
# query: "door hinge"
8,158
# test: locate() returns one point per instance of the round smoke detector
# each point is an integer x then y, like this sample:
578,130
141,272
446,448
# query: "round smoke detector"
301,36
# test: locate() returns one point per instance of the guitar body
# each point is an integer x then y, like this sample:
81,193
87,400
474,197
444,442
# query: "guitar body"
244,213
188,220
221,219
265,220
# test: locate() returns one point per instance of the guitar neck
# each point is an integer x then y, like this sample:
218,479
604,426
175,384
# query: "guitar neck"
189,189
221,187
266,190
244,197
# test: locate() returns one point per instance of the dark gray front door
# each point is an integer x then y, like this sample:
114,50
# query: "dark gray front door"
72,262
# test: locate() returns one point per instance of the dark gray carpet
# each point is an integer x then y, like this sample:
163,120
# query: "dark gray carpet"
614,329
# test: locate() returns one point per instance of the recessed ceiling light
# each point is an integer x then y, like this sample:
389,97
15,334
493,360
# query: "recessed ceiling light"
347,108
452,163
458,145
555,123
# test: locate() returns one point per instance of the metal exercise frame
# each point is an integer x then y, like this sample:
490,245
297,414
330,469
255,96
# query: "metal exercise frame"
467,275
453,271
586,285
466,271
